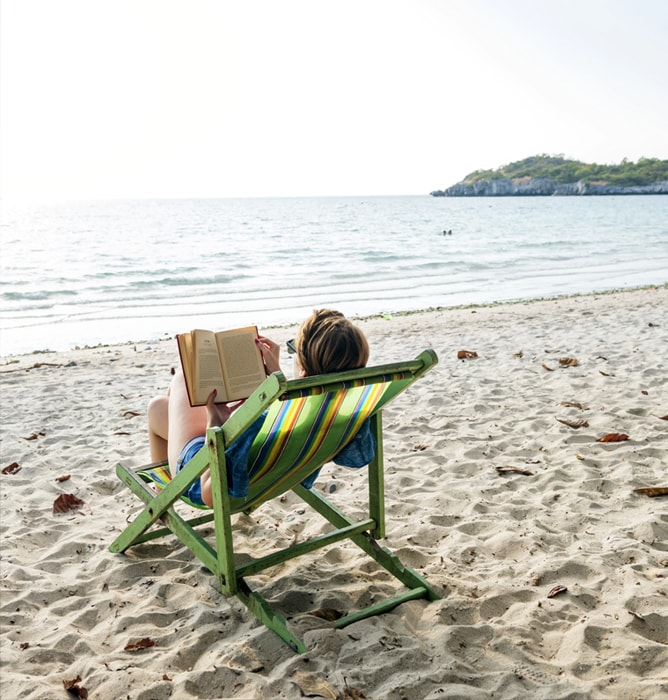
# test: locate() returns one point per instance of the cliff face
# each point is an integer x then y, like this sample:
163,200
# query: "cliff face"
543,187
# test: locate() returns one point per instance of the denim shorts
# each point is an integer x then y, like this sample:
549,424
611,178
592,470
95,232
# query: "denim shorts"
190,449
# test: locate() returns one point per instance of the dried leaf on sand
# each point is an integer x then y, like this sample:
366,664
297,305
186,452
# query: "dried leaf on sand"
652,491
466,354
313,686
144,643
74,689
574,404
613,437
557,590
574,423
11,468
352,693
514,470
568,362
66,502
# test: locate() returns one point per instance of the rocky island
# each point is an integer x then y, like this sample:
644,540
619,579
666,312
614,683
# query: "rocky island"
541,176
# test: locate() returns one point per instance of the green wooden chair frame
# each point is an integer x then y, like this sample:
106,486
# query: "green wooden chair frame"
219,558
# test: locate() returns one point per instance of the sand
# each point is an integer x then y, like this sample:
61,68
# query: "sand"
493,544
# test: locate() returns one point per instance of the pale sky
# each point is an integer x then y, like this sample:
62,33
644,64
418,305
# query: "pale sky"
226,98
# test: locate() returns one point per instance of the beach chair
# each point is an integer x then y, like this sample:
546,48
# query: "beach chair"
308,421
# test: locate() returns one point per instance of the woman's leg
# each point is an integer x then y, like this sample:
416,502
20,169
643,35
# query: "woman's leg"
158,426
185,421
205,483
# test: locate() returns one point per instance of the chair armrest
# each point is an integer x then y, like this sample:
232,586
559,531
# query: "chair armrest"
253,407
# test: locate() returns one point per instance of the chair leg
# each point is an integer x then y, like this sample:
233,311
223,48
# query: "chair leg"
381,607
160,507
387,559
224,551
417,585
264,613
132,533
377,479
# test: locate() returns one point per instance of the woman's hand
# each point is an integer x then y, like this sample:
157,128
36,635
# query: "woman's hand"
271,353
217,413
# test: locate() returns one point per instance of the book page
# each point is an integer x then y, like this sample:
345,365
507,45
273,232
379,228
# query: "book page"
242,362
185,345
208,374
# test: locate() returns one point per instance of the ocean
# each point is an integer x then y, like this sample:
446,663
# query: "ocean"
87,273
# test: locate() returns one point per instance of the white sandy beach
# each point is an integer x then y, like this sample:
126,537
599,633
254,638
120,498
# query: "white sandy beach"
493,544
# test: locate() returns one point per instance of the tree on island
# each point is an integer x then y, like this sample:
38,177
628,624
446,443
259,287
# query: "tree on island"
545,175
627,174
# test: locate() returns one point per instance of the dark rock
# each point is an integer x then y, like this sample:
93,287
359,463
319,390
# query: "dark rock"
543,187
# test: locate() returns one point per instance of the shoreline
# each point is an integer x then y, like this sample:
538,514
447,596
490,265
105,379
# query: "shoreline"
13,358
498,491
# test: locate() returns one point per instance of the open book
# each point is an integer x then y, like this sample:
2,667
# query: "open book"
228,361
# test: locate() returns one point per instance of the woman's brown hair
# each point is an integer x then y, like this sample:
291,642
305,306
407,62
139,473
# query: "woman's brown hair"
329,342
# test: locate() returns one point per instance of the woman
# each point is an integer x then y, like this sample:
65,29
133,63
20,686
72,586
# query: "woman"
326,342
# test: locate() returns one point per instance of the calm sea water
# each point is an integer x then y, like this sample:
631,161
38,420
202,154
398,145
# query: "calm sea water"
85,273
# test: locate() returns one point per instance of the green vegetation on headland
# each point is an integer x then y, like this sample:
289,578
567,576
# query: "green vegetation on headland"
546,175
645,172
